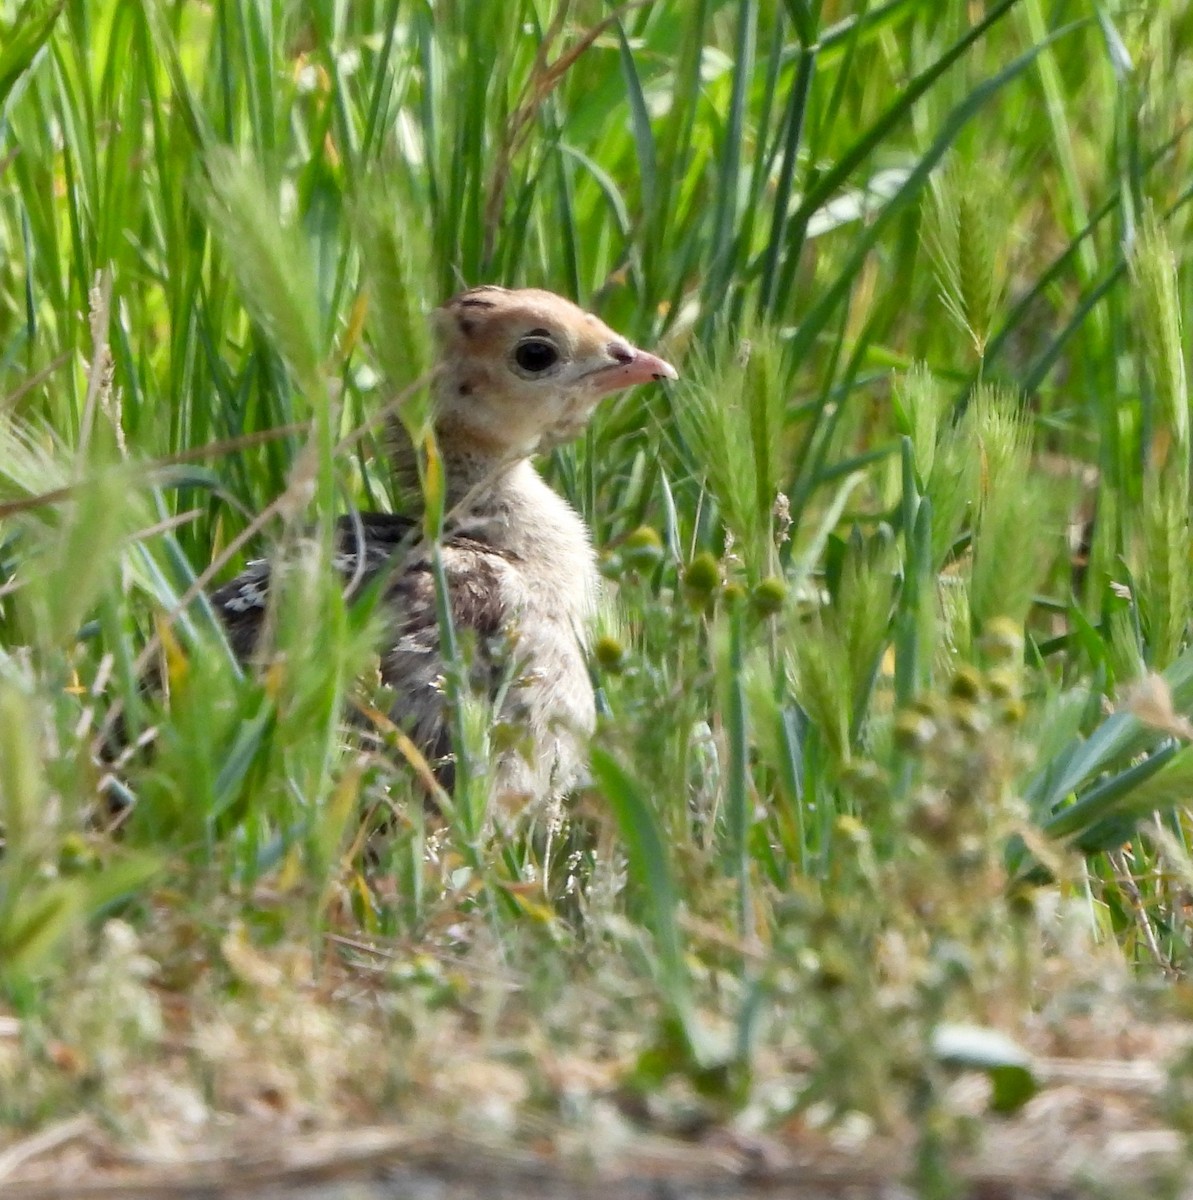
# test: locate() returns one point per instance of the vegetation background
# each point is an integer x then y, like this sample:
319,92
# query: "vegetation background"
894,662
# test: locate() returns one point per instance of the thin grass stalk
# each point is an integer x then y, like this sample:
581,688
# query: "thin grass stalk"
737,808
793,129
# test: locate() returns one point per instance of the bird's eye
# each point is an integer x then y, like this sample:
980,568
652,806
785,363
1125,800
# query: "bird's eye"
535,355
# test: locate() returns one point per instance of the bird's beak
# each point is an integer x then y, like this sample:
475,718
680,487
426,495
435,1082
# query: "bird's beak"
634,366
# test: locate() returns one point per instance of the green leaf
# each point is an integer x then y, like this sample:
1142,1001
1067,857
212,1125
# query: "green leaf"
29,30
1006,1063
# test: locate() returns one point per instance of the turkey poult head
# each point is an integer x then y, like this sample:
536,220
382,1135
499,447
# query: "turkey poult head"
521,371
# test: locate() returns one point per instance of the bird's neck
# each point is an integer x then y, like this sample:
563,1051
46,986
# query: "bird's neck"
533,526
504,503
472,465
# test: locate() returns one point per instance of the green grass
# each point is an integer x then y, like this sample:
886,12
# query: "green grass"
903,666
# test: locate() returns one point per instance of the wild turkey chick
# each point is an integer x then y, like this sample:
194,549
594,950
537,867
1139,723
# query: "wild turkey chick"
517,372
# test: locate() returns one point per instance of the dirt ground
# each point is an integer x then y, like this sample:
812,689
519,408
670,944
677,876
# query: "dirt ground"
1096,1128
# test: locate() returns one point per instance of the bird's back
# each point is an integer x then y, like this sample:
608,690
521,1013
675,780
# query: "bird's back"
243,603
519,644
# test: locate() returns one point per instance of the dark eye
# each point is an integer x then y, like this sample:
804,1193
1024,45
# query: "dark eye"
535,355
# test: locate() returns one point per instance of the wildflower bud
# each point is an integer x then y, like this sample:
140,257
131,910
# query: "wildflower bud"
1012,711
930,704
734,593
1003,684
75,855
508,735
611,565
610,654
913,731
1021,901
968,717
970,854
703,575
767,598
851,829
866,780
834,971
967,683
1002,640
643,549
931,818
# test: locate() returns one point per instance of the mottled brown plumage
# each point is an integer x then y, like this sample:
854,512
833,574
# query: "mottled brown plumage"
518,371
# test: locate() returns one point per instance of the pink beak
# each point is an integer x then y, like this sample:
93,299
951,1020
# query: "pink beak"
633,366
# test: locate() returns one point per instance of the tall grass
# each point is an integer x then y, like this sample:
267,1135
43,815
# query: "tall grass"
889,570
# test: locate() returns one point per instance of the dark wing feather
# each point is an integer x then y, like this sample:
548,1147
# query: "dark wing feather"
411,659
385,535
241,603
